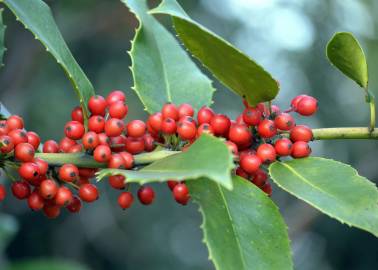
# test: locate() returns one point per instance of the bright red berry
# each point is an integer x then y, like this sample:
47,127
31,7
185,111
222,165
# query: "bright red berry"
77,115
301,133
266,153
74,206
185,110
307,106
186,130
29,171
129,160
118,110
74,130
295,101
170,110
117,181
42,165
18,136
252,116
267,129
250,163
283,147
240,134
50,146
114,127
181,193
90,140
96,123
136,128
33,139
97,105
35,201
115,96
125,200
146,195
7,144
15,122
48,189
168,126
77,148
21,190
155,121
24,152
102,153
220,124
65,144
68,173
88,193
284,121
300,150
63,196
205,114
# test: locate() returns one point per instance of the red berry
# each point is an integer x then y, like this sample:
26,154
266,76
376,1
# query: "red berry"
205,114
74,206
267,188
136,128
35,201
87,172
15,122
115,96
114,127
239,120
146,195
88,193
103,139
240,134
307,106
42,165
65,144
220,124
250,163
7,144
3,193
283,147
205,128
168,126
63,196
116,161
295,101
185,110
3,128
68,173
259,178
48,189
125,200
129,160
301,133
117,181
50,146
102,153
267,129
75,149
33,139
172,183
149,142
118,110
18,136
284,121
170,110
96,123
252,116
186,130
134,145
239,171
74,130
24,152
29,171
155,121
21,190
181,193
300,150
97,105
117,144
77,115
266,153
51,210
90,140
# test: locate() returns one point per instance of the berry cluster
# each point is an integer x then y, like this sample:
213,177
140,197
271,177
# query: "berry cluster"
256,138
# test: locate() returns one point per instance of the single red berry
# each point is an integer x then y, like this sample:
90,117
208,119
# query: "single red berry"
149,143
168,126
103,139
21,190
186,130
246,152
300,149
97,105
115,96
155,121
116,161
240,172
283,147
6,143
88,193
125,200
15,122
220,124
295,101
146,195
68,173
117,144
118,110
117,181
136,128
185,109
63,196
77,115
205,114
3,193
266,153
129,160
24,152
134,145
74,130
307,106
114,127
240,134
50,146
252,116
170,110
205,128
259,178
48,189
181,193
65,144
29,171
82,181
35,201
267,129
96,123
172,183
18,136
87,172
74,206
301,133
284,121
3,128
51,210
77,148
102,153
267,188
90,140
33,139
250,163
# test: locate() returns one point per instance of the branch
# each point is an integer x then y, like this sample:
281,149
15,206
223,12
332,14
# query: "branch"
345,133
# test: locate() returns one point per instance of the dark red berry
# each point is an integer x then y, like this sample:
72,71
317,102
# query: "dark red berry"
267,128
240,172
74,130
134,145
74,206
97,105
88,193
65,144
7,144
301,133
172,183
51,210
29,171
149,142
146,195
125,200
284,121
181,193
117,144
3,128
50,146
117,181
87,172
68,173
63,196
259,178
300,150
266,153
3,193
77,115
21,190
267,188
35,201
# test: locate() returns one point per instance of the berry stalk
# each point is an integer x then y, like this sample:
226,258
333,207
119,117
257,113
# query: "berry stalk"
345,133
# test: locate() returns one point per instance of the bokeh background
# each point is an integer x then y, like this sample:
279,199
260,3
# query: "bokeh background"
287,37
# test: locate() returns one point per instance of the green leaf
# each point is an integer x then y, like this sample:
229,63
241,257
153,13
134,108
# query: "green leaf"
232,67
46,264
162,70
332,187
243,228
344,51
208,157
36,16
2,41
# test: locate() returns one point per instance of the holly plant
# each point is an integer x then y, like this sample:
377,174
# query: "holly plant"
224,166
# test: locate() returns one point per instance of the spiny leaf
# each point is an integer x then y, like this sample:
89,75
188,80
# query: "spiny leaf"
2,35
243,228
162,70
208,157
232,67
36,16
334,188
344,51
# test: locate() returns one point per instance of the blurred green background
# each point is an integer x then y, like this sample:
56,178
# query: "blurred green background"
287,37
